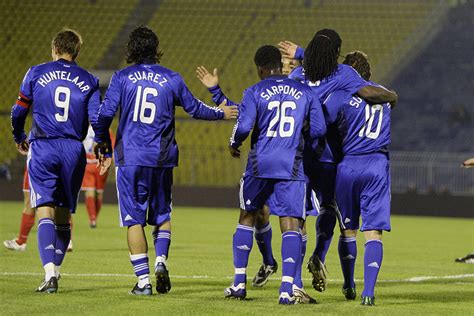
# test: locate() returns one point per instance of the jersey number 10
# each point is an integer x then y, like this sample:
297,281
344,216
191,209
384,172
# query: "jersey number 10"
141,104
370,112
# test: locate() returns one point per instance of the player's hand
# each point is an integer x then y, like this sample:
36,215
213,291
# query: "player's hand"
234,152
287,49
469,163
230,112
104,165
23,147
103,149
207,79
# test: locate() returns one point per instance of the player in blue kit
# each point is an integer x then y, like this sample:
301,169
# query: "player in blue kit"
276,109
363,177
63,98
263,229
323,73
145,150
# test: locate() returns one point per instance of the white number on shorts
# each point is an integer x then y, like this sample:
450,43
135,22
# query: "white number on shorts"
370,112
287,122
141,104
62,96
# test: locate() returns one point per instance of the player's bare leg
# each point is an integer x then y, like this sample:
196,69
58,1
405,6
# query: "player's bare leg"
27,222
91,205
263,237
373,255
162,240
347,249
290,254
298,290
47,248
242,245
138,247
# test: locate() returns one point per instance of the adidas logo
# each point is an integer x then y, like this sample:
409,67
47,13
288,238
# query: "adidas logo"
243,247
347,220
128,218
49,247
289,260
373,265
248,202
348,257
38,196
59,252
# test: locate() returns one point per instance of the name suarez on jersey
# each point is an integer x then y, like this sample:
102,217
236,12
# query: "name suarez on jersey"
281,89
62,75
145,75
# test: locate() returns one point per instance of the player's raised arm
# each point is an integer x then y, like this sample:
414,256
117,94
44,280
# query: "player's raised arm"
291,50
244,124
211,82
198,109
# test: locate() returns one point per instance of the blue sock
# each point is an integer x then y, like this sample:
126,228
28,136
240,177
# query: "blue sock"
162,240
298,280
325,224
263,236
290,256
347,255
46,240
372,262
141,268
63,236
242,245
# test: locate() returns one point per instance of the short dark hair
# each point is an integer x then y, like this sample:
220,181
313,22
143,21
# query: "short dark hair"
360,62
142,46
268,57
320,56
67,41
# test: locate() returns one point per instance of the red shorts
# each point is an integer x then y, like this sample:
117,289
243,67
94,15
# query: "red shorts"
92,179
26,181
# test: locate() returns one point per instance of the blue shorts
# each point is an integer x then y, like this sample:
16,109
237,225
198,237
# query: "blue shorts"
284,197
56,168
321,182
144,195
363,190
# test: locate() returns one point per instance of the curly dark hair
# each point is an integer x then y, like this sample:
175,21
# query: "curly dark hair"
142,46
268,57
360,62
320,56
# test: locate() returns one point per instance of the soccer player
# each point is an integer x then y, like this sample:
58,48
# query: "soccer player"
146,151
324,75
93,183
363,177
27,221
62,97
263,228
276,109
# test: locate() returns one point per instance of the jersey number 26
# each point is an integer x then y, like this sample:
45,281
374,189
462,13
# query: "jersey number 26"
286,123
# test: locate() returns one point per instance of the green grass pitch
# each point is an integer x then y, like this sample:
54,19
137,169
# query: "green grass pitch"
97,275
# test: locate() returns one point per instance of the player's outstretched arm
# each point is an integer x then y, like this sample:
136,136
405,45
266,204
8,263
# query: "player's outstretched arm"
195,107
378,95
211,82
291,50
468,163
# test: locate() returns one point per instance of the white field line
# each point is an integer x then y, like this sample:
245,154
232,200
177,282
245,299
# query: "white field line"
415,279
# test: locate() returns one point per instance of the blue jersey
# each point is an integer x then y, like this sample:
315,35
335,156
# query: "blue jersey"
277,108
363,128
62,95
147,95
344,78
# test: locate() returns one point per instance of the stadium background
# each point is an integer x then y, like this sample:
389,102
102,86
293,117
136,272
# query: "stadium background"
420,48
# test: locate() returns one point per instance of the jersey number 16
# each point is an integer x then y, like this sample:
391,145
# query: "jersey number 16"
141,104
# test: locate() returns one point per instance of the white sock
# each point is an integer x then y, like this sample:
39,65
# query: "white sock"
159,259
49,271
56,271
143,280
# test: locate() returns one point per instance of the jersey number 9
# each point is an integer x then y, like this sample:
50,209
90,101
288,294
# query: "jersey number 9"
141,105
62,96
